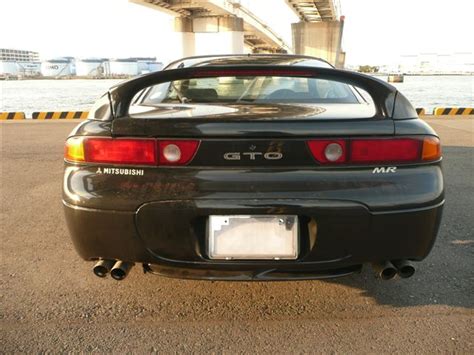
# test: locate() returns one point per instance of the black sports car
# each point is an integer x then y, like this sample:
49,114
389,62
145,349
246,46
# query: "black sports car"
264,167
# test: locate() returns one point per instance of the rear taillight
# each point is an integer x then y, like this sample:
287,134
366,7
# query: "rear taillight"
431,149
74,149
385,150
328,151
375,150
177,152
130,151
120,151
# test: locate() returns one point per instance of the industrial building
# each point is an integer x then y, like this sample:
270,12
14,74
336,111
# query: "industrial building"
58,67
22,63
130,66
459,63
15,55
14,62
90,67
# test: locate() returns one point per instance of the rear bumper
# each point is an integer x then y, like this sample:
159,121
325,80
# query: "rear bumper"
170,237
261,273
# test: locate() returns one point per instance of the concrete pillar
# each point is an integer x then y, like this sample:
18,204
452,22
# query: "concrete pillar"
319,39
183,28
209,35
218,35
341,59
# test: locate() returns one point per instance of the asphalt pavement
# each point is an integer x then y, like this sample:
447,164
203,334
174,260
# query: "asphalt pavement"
51,301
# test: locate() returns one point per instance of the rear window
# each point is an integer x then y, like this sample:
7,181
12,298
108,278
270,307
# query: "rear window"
249,89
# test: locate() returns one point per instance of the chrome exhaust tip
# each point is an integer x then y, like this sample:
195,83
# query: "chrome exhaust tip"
405,268
102,267
385,270
120,270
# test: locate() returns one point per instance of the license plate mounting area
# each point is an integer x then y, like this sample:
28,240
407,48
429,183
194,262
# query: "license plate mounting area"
253,237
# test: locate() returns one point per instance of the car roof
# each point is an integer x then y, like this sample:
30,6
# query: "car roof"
249,59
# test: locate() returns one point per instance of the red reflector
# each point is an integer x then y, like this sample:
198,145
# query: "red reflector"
318,149
177,152
120,151
385,150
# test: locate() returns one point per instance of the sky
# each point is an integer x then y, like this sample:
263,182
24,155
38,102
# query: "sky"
376,32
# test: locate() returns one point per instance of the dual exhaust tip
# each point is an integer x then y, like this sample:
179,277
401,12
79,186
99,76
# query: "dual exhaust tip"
388,270
117,269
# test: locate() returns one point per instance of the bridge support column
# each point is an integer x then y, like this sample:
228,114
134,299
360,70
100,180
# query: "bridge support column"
219,35
183,27
319,39
210,35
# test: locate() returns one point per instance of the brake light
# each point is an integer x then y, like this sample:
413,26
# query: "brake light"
375,150
121,151
111,151
385,150
177,152
130,151
250,72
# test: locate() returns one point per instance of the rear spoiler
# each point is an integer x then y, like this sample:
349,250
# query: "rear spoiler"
389,103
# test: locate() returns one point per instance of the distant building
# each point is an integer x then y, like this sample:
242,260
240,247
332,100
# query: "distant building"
15,62
131,66
22,63
16,55
57,67
437,63
90,67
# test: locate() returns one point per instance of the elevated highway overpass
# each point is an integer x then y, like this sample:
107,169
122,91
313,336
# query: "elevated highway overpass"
227,26
194,17
315,10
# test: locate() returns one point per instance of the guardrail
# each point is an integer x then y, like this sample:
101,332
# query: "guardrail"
444,111
60,115
46,115
447,111
12,116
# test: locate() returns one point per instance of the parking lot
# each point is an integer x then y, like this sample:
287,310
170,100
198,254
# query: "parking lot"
50,300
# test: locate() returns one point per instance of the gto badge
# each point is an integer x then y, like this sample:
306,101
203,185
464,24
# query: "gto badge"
253,155
385,170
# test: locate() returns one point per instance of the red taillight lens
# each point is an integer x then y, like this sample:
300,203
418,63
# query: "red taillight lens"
385,150
177,152
373,150
120,151
325,150
130,151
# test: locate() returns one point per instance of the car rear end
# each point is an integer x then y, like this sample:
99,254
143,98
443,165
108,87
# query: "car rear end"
192,174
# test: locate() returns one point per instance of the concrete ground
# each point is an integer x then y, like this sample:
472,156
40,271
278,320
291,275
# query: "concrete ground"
51,301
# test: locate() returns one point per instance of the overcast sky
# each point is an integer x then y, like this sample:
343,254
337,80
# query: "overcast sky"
375,32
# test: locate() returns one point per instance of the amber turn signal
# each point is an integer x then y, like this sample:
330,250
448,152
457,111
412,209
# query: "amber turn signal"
431,149
74,149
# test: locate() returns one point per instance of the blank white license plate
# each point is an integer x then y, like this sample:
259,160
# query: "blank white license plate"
253,237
